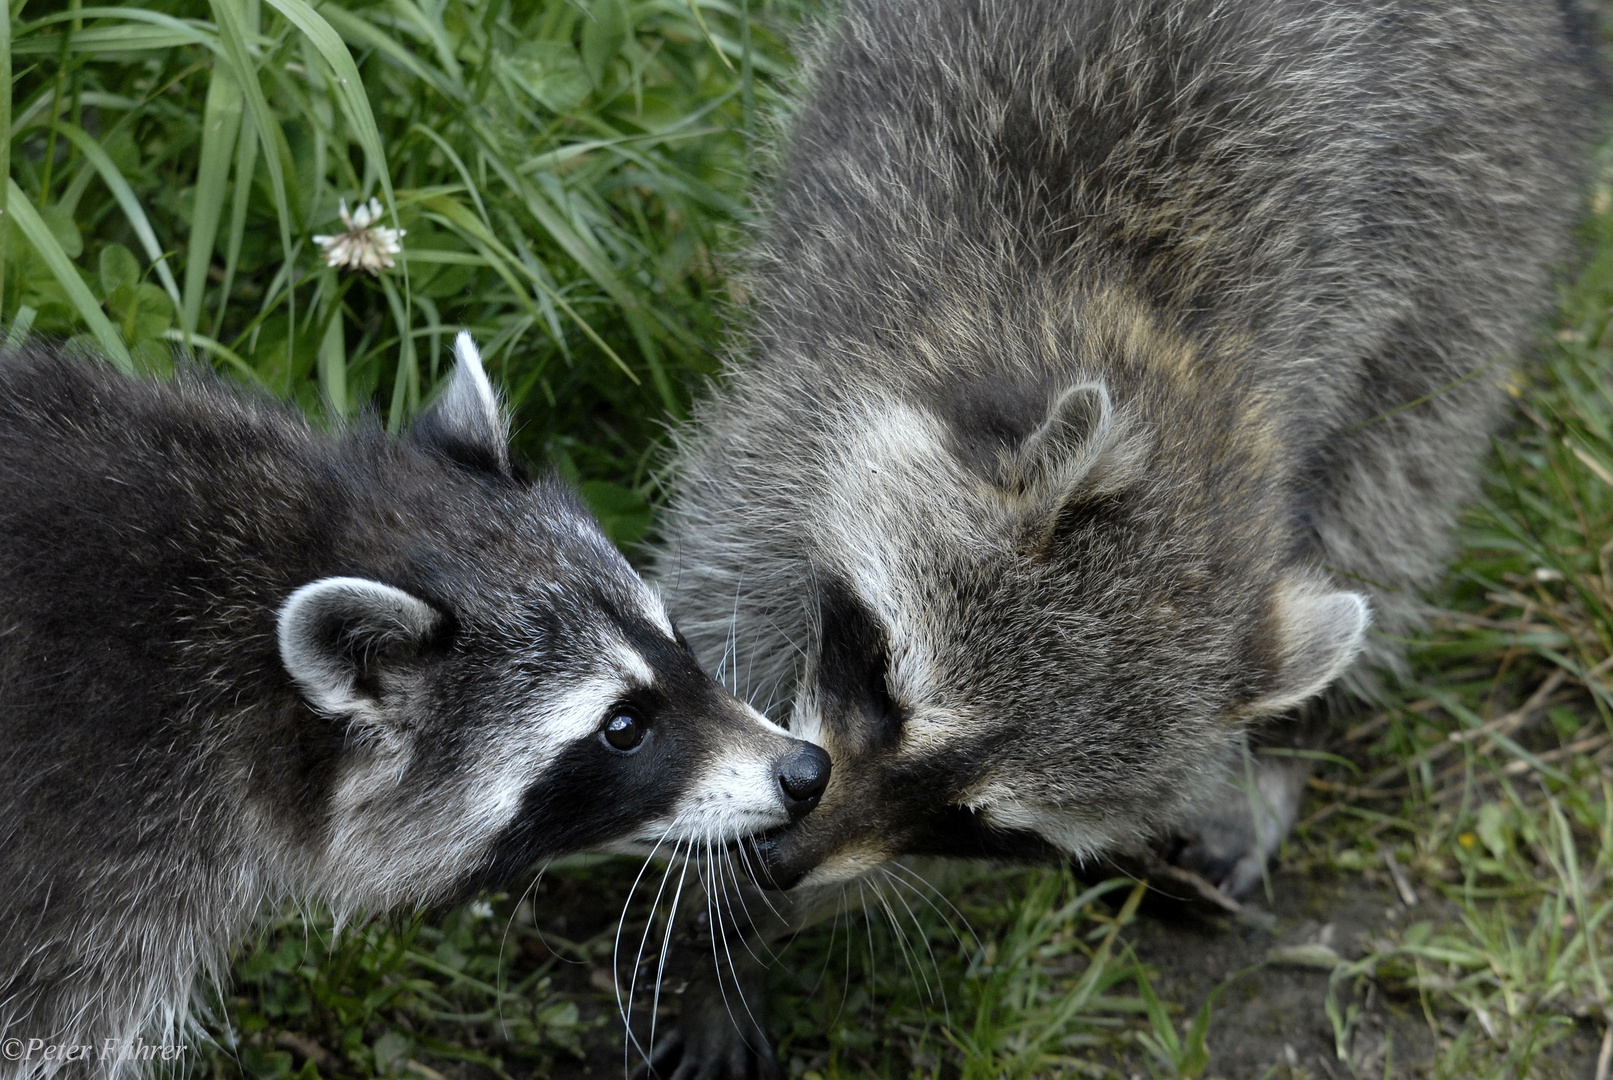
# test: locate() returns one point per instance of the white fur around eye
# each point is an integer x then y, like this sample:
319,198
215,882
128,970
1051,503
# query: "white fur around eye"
735,795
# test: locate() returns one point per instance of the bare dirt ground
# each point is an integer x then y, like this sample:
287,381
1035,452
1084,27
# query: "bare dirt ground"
1269,1023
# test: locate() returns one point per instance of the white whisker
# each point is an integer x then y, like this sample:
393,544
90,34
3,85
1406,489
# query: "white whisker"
739,987
629,1042
868,925
713,923
505,938
666,947
744,856
750,923
928,890
924,937
903,946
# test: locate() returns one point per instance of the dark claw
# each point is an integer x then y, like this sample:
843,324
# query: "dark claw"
666,1052
710,1042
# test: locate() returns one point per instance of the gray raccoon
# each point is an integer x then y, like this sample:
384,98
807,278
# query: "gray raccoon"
243,662
1113,365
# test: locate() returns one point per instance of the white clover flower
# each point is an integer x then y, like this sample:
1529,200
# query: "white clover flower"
365,245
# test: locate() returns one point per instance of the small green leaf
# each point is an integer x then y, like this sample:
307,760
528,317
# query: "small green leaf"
115,181
391,1052
119,268
149,315
153,357
64,229
265,1064
561,1014
603,36
1492,829
550,72
50,249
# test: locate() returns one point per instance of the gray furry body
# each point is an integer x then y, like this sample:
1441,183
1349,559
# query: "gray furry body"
1108,363
243,662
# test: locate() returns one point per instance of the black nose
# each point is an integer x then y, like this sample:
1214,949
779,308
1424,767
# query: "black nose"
803,778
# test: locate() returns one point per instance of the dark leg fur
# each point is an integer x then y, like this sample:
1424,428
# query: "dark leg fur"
721,1032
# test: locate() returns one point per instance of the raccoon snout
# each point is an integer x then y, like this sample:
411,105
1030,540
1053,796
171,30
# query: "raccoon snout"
802,779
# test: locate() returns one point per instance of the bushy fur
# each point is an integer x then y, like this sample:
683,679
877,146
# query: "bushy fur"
243,662
1105,358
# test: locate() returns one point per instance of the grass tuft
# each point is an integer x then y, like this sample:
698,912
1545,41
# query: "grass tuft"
567,173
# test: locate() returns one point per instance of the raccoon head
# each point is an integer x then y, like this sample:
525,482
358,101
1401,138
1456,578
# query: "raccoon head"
1048,648
506,689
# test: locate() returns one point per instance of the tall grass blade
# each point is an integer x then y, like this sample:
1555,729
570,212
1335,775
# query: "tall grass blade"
221,121
500,257
164,32
112,176
246,164
431,27
233,36
595,265
5,139
406,386
349,87
33,227
364,34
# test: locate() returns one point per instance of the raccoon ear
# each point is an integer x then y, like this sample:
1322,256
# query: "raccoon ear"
1074,427
467,423
1317,634
1083,447
337,634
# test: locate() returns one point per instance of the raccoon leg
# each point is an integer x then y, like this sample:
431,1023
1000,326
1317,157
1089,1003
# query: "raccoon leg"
721,1031
1237,832
1234,833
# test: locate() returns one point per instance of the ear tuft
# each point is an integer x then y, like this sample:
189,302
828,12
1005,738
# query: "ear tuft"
1318,635
337,633
467,423
1085,448
1059,452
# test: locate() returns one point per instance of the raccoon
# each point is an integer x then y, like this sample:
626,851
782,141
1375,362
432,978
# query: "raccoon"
243,662
1113,367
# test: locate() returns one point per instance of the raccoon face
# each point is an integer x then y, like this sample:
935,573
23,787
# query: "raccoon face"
1052,656
512,691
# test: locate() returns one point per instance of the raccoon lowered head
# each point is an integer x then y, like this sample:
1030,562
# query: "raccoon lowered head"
1037,622
520,693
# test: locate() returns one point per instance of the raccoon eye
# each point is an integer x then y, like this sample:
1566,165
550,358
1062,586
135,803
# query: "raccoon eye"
624,730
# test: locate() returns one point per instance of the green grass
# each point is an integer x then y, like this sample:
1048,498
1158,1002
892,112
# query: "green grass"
569,173
573,177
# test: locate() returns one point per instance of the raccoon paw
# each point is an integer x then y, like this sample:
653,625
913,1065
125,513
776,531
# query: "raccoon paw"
1239,829
718,1037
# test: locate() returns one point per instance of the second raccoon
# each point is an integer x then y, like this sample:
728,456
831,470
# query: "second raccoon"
1114,365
